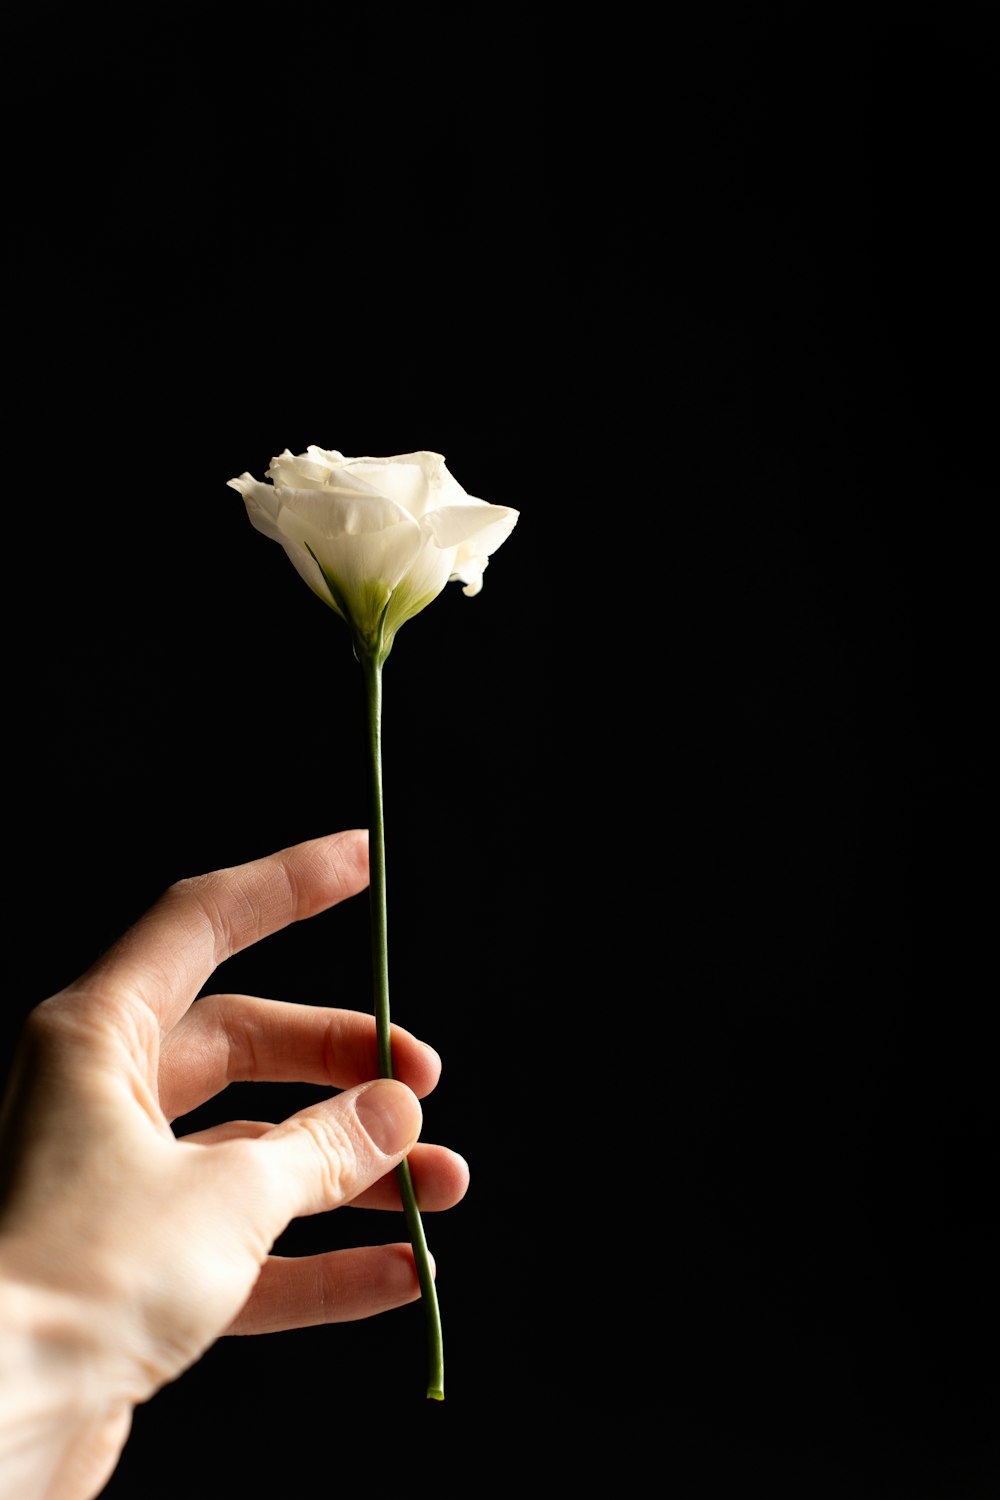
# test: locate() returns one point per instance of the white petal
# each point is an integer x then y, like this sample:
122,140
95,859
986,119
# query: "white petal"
261,502
470,572
305,471
263,508
363,565
424,580
473,525
472,556
307,568
381,558
411,479
351,509
329,455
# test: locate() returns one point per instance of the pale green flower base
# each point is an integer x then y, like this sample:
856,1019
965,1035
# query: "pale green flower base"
371,664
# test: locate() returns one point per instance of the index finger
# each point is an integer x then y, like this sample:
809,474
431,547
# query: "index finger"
173,949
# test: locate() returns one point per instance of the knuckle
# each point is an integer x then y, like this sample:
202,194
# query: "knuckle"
237,1035
222,905
334,1154
47,1020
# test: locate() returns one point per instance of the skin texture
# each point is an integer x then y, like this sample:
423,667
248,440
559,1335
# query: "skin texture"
126,1250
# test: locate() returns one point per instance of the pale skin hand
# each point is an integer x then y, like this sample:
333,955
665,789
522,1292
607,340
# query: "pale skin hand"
127,1249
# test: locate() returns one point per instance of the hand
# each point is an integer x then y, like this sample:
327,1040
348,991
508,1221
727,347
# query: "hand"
125,1250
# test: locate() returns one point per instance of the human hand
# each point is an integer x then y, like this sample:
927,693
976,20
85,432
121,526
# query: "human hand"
125,1250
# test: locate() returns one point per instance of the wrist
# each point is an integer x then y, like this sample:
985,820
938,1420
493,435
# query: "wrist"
52,1397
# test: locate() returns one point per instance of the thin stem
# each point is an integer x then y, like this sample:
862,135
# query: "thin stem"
371,666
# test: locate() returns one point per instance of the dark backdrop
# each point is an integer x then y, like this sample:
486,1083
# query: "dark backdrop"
685,811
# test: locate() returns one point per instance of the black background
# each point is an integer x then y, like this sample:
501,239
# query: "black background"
686,811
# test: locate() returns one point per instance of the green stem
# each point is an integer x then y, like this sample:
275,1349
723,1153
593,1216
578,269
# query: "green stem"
371,666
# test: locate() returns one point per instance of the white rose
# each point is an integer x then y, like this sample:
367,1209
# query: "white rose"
376,538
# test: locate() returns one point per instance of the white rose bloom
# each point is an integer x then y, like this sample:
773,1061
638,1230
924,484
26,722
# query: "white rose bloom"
376,538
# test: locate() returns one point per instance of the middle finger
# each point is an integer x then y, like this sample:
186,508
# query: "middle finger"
227,1039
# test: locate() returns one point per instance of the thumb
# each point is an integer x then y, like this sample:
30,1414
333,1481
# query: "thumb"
329,1153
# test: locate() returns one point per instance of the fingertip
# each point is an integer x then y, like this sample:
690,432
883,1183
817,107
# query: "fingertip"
461,1177
390,1115
409,1260
324,871
415,1061
440,1175
432,1061
350,848
405,1270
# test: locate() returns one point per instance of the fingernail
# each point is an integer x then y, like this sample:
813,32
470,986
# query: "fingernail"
390,1114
